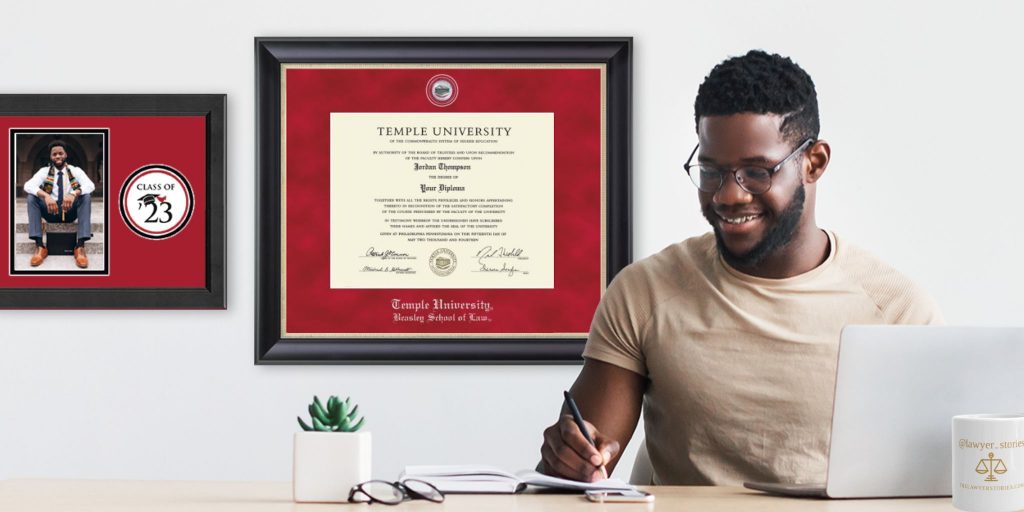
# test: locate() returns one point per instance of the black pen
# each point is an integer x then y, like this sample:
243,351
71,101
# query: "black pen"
583,428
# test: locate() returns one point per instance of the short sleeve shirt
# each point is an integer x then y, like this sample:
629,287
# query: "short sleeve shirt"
741,369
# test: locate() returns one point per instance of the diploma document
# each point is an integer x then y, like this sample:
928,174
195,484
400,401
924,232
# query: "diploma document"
441,200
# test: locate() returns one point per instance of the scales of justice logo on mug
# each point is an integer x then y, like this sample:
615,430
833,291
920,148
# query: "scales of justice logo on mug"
156,202
442,90
991,467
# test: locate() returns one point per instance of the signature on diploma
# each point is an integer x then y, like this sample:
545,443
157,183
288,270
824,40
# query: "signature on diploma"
387,254
511,253
389,269
500,253
505,268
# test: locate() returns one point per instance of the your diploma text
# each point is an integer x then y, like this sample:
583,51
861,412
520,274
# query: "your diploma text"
424,188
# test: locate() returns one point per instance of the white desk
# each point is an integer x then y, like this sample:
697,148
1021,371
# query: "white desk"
142,496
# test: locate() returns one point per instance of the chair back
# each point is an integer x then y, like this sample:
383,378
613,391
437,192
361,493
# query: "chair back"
643,472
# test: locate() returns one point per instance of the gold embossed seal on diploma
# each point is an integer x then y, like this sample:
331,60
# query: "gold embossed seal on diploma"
442,200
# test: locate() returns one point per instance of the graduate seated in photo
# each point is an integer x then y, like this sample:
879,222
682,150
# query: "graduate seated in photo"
59,193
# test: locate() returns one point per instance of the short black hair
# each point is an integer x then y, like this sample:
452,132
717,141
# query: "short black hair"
762,83
58,142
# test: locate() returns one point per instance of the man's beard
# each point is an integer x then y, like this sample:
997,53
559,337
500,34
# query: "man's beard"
777,237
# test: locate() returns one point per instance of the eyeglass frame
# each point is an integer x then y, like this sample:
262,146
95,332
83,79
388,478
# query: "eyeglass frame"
771,171
407,493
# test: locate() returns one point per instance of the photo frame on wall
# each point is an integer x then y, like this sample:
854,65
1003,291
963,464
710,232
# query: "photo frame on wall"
113,201
438,200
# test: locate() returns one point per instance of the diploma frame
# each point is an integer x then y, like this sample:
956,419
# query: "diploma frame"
211,295
273,57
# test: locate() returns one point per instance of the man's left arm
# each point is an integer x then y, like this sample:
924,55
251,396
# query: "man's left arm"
86,187
83,180
916,307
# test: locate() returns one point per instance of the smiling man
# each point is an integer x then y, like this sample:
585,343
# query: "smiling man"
729,340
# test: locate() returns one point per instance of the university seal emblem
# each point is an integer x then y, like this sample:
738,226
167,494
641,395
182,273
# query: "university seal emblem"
443,262
442,90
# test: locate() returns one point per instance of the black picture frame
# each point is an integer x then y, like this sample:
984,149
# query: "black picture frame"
213,108
273,52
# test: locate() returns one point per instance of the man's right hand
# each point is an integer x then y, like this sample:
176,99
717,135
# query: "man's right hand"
51,205
566,453
606,395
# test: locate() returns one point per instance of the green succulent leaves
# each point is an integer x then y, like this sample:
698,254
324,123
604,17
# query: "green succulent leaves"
338,416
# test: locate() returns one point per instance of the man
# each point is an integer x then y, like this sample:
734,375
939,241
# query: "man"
730,339
59,192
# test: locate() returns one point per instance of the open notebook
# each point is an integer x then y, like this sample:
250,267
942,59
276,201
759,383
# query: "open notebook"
489,479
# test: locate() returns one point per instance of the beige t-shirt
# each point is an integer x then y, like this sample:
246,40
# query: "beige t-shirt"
741,368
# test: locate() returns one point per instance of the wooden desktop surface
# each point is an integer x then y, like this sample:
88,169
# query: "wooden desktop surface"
143,496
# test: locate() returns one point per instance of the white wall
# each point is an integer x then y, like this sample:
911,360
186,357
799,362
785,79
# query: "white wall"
921,103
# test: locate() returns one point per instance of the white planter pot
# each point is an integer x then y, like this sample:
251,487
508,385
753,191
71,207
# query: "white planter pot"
328,464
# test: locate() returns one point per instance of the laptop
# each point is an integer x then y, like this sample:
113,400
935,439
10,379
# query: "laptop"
897,390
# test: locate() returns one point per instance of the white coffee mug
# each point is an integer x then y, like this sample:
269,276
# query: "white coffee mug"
988,462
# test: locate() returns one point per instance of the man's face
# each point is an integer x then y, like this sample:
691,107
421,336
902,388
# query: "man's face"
750,227
57,156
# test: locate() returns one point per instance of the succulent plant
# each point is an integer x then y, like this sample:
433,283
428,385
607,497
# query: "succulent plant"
338,416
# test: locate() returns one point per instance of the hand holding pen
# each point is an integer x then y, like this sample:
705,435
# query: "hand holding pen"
575,449
585,430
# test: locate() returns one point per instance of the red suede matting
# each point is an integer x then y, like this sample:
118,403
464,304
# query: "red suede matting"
573,95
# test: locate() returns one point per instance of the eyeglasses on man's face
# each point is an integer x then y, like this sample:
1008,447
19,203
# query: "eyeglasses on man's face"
752,178
393,493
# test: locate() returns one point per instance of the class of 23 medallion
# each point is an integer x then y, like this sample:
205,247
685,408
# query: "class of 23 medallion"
156,202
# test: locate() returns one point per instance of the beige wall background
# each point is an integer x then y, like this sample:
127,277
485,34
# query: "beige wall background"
920,101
